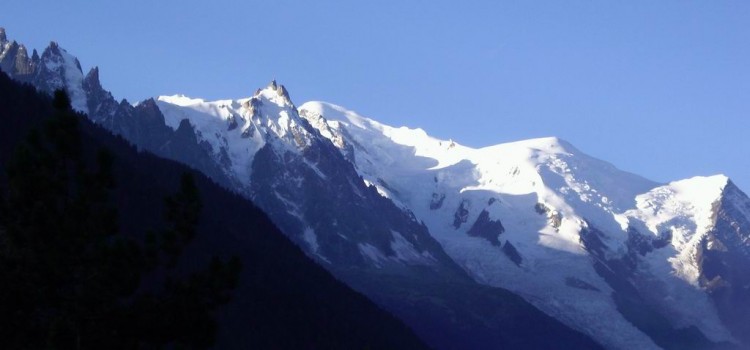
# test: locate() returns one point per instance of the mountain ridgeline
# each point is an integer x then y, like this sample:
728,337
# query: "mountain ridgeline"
317,198
471,248
82,209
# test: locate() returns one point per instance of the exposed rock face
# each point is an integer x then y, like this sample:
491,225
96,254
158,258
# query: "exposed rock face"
321,124
724,255
488,229
101,104
554,217
635,301
24,66
461,215
16,62
52,73
437,201
283,92
591,241
316,196
314,193
8,57
311,176
305,185
342,240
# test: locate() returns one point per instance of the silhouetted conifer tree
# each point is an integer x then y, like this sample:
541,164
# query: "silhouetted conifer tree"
69,279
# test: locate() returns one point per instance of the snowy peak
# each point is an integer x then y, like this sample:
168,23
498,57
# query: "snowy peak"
269,110
545,145
731,194
55,69
704,223
682,206
682,213
276,158
519,215
235,130
15,60
389,144
276,94
538,216
60,70
527,166
279,90
181,100
705,185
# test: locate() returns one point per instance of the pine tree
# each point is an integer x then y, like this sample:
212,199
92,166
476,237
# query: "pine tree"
70,279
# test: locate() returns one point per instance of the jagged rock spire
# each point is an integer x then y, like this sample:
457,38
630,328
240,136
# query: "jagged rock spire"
3,37
22,57
281,90
272,85
93,75
23,64
53,49
8,57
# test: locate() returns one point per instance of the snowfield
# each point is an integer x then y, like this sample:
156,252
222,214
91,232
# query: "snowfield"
544,192
569,233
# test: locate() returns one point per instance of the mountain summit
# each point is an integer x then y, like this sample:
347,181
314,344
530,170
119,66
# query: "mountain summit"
466,245
547,221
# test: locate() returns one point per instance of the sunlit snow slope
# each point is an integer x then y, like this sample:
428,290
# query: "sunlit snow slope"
294,173
632,263
513,216
235,130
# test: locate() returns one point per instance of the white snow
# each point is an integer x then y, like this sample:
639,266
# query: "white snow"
4,49
309,236
373,254
509,180
275,121
684,208
406,253
74,82
66,66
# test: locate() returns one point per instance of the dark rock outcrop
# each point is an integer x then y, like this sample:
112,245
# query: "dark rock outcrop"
461,214
489,229
512,253
437,201
319,190
102,106
724,271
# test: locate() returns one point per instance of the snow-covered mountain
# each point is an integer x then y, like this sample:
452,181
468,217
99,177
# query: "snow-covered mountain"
262,149
578,238
438,233
276,158
55,69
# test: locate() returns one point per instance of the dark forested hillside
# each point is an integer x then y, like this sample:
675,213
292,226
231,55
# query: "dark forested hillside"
283,299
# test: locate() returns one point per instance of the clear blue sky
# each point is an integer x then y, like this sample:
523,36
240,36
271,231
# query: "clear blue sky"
659,88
